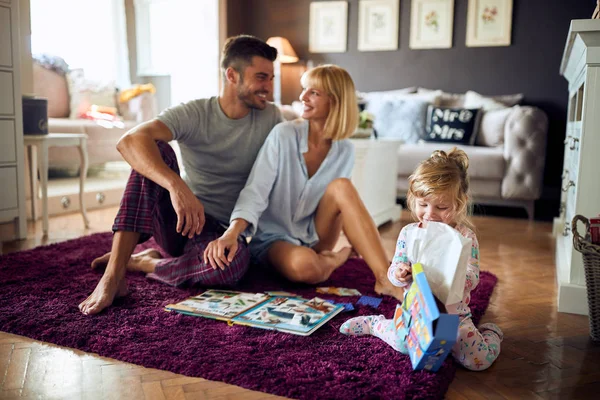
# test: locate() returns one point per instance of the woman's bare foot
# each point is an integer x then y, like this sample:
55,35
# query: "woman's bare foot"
144,261
106,291
387,289
337,258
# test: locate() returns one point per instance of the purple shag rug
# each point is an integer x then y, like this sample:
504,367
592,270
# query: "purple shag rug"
41,288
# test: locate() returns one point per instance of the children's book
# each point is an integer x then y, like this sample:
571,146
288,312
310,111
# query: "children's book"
429,334
294,315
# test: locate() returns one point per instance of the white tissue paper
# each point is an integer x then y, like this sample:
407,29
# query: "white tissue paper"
444,254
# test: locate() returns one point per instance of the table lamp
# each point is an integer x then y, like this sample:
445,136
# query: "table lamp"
285,55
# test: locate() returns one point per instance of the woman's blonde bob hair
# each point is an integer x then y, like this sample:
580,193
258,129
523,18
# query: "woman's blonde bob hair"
443,174
343,111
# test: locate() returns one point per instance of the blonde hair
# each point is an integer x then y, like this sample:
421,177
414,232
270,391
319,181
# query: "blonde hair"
443,173
343,112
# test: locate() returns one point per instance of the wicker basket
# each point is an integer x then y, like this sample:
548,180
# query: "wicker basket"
591,264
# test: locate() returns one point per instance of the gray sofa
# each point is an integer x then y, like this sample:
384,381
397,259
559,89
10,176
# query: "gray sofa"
507,159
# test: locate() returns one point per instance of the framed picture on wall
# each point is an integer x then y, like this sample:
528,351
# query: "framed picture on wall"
489,23
431,23
378,25
328,27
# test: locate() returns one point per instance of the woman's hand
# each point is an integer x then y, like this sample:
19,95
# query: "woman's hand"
215,251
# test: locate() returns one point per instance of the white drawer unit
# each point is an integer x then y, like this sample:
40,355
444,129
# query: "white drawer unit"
12,169
374,176
7,93
8,197
7,135
5,45
580,187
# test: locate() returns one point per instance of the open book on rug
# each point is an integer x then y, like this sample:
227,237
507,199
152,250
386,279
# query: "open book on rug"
294,315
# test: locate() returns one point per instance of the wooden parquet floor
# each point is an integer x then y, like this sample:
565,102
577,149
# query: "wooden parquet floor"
545,354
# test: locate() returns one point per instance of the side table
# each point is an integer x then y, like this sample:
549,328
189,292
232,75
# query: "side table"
39,144
375,177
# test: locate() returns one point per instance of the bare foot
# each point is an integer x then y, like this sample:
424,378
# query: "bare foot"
387,289
143,261
338,258
106,291
101,261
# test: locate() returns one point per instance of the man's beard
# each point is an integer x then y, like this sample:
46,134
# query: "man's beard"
248,98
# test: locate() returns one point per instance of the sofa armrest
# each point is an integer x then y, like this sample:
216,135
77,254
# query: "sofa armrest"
525,134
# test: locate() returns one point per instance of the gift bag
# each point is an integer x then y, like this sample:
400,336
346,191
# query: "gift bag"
444,254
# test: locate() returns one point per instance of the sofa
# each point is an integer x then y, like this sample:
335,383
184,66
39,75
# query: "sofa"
506,156
62,118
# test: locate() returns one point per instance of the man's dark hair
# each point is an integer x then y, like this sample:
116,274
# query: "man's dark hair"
239,50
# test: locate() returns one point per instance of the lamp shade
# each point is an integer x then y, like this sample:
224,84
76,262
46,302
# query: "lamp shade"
285,52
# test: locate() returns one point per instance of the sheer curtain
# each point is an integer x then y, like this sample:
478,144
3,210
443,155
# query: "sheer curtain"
87,34
180,38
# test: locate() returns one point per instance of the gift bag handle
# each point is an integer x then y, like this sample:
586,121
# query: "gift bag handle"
577,238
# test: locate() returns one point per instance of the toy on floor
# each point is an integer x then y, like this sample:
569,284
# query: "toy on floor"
369,301
338,291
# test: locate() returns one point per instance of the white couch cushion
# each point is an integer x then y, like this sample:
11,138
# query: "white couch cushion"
484,162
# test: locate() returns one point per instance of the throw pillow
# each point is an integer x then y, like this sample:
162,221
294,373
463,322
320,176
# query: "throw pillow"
491,130
85,93
452,125
402,118
475,100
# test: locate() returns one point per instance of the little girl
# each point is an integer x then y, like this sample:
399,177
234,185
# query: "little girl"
438,191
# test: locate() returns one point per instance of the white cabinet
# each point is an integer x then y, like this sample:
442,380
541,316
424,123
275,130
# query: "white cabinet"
375,176
12,178
581,169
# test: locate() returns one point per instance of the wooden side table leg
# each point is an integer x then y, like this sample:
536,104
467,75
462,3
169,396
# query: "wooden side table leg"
43,161
33,181
82,175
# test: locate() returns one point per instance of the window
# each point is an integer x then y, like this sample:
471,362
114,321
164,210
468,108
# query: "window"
87,34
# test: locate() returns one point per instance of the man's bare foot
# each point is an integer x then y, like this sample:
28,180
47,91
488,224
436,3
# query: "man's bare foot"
101,261
106,291
387,289
143,261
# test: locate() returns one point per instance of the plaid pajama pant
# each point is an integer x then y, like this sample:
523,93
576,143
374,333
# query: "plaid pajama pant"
146,208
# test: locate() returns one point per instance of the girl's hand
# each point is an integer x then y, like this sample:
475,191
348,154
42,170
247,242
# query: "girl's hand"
404,273
215,251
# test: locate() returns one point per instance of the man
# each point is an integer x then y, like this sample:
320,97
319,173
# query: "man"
219,139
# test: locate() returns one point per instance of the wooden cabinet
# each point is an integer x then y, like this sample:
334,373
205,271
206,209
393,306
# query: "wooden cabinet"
12,178
581,167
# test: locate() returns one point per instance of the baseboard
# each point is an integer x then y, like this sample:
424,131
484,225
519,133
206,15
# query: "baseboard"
572,299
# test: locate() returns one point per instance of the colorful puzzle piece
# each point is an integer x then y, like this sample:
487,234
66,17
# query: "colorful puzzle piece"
369,301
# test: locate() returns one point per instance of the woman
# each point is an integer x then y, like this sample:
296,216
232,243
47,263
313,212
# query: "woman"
298,197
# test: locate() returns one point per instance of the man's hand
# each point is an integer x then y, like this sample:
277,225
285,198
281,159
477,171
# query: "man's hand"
189,210
215,251
404,273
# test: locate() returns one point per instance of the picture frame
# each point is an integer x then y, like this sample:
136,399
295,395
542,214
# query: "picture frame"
489,23
431,24
378,22
328,27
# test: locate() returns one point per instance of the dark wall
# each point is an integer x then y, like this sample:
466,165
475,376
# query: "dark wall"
530,65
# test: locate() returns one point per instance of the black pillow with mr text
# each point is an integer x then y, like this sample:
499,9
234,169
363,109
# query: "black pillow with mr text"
452,125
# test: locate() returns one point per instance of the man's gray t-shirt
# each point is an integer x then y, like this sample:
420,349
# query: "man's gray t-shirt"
218,152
